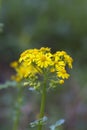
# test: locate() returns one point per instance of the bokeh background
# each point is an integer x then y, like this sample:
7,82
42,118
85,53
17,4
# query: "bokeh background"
60,25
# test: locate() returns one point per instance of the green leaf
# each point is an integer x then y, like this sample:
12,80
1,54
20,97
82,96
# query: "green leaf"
41,121
8,84
58,123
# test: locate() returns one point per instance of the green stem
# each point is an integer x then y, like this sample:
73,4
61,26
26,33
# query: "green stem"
43,101
17,109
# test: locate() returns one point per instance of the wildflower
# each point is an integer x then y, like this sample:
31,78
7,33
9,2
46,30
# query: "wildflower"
29,55
35,62
62,74
41,70
14,64
68,60
45,49
44,60
61,81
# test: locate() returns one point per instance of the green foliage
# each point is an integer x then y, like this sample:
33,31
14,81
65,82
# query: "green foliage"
8,84
41,121
58,123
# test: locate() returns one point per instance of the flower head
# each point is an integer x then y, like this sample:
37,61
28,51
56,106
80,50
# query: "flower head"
44,60
35,62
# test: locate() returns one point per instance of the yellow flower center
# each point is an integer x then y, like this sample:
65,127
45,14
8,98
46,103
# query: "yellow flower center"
43,58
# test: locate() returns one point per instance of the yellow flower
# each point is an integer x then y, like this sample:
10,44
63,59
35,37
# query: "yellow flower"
59,63
33,61
68,60
61,73
52,70
44,60
14,64
30,71
28,55
61,81
59,54
45,49
16,78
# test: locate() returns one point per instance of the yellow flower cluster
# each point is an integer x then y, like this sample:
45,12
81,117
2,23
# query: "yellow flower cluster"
34,62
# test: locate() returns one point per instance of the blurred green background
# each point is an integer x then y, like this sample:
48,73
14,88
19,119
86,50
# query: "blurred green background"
60,25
